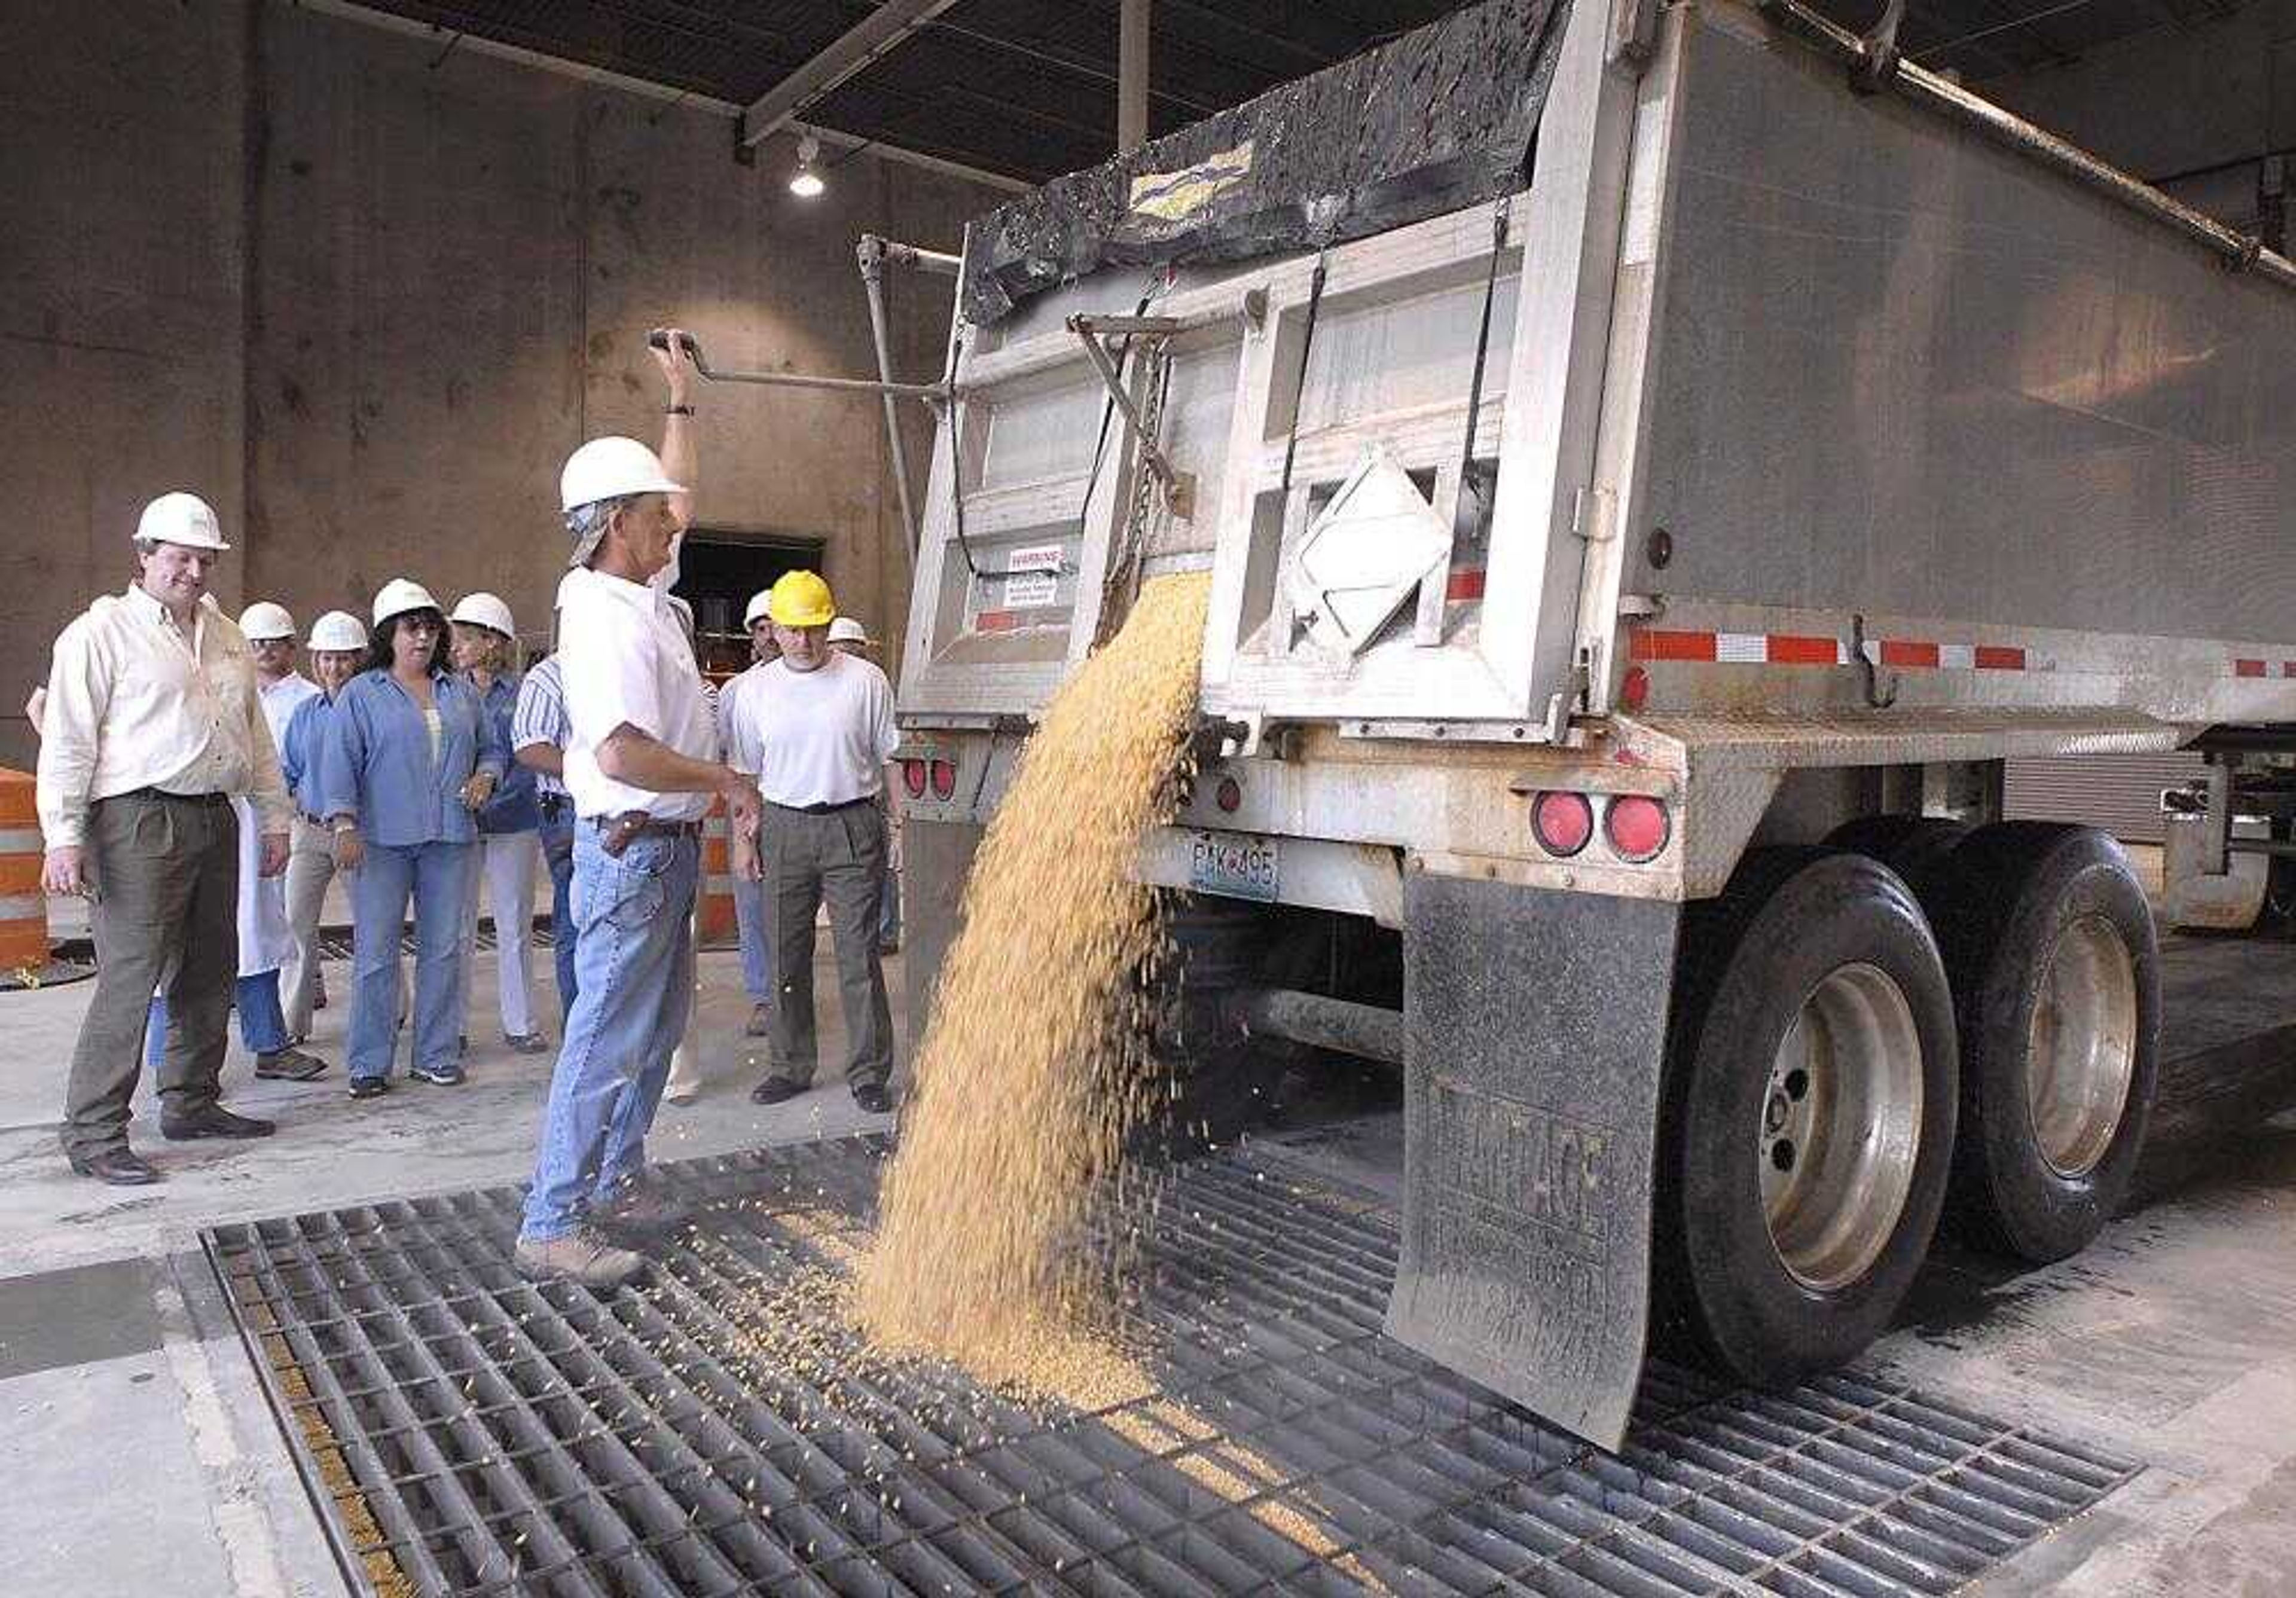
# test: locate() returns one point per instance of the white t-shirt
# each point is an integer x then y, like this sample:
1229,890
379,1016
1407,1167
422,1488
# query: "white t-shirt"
822,737
737,732
623,657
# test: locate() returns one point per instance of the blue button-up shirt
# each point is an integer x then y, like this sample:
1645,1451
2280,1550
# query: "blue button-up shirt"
378,766
513,807
302,748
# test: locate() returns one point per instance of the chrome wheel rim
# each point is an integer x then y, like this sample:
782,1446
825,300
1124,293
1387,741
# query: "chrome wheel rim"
1839,1127
2081,1049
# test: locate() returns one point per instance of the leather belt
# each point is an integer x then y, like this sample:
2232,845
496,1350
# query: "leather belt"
652,829
177,798
826,809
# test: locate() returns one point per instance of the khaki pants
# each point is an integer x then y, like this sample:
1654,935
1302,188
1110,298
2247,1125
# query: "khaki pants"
837,857
310,867
166,872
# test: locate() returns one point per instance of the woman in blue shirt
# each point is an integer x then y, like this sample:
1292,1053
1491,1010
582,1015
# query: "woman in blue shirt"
412,758
338,646
510,828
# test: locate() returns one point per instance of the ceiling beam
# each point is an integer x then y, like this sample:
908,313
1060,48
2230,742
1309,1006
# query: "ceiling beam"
851,53
352,10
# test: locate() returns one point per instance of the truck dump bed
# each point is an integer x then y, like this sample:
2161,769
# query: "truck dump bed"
1760,359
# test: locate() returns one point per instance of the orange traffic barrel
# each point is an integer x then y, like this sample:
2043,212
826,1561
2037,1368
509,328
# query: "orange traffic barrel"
23,908
713,922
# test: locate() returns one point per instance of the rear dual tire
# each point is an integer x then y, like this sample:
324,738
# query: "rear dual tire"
2049,940
1808,1122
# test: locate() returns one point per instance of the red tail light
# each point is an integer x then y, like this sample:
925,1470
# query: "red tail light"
1229,795
1562,823
1638,827
944,779
913,777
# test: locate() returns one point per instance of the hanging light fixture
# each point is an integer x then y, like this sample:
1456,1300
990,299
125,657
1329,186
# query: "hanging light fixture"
805,182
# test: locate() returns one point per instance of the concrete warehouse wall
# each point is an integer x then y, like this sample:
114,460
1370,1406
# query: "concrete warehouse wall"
365,299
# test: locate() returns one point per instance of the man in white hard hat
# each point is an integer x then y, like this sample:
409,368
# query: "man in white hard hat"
848,636
741,754
152,723
641,764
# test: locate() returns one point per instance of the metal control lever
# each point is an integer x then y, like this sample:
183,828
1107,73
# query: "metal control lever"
930,392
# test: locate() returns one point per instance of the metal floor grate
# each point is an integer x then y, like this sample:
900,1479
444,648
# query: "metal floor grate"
465,1432
335,943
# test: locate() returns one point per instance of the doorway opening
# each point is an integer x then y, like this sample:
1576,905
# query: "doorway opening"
718,568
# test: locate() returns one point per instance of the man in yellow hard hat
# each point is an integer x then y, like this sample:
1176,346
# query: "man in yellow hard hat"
821,722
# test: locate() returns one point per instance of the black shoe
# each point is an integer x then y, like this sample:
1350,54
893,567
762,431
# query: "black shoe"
121,1167
289,1065
370,1087
776,1090
449,1075
214,1121
871,1097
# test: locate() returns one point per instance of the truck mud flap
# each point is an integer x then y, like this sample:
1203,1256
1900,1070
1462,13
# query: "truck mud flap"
1536,1023
936,860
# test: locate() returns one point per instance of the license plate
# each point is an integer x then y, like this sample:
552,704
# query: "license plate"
1232,864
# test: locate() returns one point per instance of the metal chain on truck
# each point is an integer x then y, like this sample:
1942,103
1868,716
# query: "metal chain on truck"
1127,552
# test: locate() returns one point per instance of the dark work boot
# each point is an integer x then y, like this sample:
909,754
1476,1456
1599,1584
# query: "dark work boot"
214,1121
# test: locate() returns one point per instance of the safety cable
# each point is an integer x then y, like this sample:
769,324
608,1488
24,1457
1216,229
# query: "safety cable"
1299,387
1467,479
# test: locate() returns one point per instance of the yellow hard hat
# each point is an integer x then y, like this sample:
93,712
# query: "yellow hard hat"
800,599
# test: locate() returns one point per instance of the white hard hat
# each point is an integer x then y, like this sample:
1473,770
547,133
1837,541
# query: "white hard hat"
337,630
846,630
399,596
755,611
486,611
264,619
610,468
183,519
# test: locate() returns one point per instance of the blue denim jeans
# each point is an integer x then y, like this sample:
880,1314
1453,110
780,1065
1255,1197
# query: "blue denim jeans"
262,1024
757,947
558,855
437,874
634,961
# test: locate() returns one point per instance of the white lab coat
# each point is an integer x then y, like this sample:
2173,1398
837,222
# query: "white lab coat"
265,940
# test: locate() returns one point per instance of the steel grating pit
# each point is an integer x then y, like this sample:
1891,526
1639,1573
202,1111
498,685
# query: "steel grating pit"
465,1432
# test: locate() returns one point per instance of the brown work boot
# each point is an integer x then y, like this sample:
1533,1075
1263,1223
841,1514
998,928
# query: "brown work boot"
644,1205
581,1257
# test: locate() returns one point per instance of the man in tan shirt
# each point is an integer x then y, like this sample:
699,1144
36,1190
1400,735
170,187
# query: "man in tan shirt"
152,723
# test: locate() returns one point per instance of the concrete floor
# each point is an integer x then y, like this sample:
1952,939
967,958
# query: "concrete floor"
122,1381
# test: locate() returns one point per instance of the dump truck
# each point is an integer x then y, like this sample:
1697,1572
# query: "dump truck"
1654,463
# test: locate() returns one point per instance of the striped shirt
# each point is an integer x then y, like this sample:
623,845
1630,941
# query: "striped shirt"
541,717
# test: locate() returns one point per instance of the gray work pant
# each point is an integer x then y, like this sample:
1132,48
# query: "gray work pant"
310,867
837,857
166,874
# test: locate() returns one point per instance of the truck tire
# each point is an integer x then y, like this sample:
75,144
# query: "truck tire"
1810,1098
2049,941
1909,845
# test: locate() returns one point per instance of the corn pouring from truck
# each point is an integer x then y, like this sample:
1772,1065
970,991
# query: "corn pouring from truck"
1633,550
